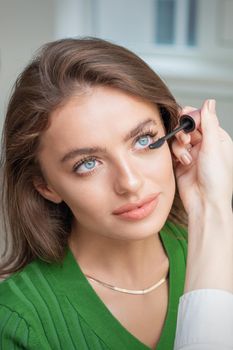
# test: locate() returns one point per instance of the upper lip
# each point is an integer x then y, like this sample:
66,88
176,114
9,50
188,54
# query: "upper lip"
132,206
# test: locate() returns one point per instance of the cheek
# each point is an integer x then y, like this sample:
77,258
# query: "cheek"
162,173
82,197
160,164
164,178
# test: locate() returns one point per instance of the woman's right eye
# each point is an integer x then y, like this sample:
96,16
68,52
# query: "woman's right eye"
85,166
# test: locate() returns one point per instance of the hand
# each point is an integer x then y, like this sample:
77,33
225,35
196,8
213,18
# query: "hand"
208,178
205,186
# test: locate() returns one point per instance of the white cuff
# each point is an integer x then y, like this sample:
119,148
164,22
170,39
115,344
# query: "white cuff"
205,320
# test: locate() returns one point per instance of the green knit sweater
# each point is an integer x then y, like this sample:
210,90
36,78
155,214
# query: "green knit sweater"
53,306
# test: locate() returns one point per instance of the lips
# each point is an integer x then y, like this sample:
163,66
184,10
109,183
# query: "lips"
132,206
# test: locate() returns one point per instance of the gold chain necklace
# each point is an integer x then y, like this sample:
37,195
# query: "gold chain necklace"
129,291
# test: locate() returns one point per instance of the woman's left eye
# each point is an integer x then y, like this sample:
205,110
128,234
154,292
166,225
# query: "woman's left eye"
145,140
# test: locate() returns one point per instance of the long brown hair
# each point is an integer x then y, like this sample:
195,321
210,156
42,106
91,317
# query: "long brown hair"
33,226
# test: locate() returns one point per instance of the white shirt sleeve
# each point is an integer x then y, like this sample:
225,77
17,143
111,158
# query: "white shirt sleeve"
205,320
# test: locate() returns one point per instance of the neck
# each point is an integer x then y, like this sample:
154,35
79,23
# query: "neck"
132,264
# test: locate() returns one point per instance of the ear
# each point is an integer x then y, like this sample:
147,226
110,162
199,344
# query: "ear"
46,191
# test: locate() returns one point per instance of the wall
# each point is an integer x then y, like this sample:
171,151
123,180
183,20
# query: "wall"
24,26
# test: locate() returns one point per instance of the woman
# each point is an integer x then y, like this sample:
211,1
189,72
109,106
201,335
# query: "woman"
97,219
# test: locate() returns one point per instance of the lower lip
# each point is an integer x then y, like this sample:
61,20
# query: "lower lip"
142,212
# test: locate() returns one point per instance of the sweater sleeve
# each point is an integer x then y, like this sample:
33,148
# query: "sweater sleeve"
14,330
205,320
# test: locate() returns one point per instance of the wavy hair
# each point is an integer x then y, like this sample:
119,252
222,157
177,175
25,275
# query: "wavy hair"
33,226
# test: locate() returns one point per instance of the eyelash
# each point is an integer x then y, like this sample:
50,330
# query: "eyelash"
149,132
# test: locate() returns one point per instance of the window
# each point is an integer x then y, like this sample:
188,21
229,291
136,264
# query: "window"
175,22
165,21
156,22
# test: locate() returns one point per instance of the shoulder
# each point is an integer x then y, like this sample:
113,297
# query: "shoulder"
25,298
26,291
25,284
22,290
15,313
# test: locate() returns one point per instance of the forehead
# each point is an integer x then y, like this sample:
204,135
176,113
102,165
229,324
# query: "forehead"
103,112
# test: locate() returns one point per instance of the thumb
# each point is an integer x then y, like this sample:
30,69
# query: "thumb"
209,123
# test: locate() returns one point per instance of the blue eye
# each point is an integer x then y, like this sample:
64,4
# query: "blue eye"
89,164
144,141
85,166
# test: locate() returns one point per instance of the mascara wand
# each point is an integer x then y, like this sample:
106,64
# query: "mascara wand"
187,124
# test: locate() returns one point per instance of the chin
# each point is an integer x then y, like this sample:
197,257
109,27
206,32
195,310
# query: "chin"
142,229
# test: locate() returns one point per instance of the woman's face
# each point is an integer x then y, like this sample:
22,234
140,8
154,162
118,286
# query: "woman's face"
95,157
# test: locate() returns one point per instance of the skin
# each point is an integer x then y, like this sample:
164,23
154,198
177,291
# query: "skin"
205,187
130,253
119,251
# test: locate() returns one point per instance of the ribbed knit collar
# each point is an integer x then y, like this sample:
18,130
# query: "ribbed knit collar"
71,281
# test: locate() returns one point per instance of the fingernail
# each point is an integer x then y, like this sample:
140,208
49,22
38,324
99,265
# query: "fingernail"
186,158
211,106
184,138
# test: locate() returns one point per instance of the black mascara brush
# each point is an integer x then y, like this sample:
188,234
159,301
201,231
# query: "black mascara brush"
187,124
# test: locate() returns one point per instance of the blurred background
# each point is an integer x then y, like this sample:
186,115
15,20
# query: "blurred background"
189,43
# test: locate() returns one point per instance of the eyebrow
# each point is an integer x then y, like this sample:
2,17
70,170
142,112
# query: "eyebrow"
96,149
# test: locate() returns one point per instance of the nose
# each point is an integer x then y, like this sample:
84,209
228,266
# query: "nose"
128,178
